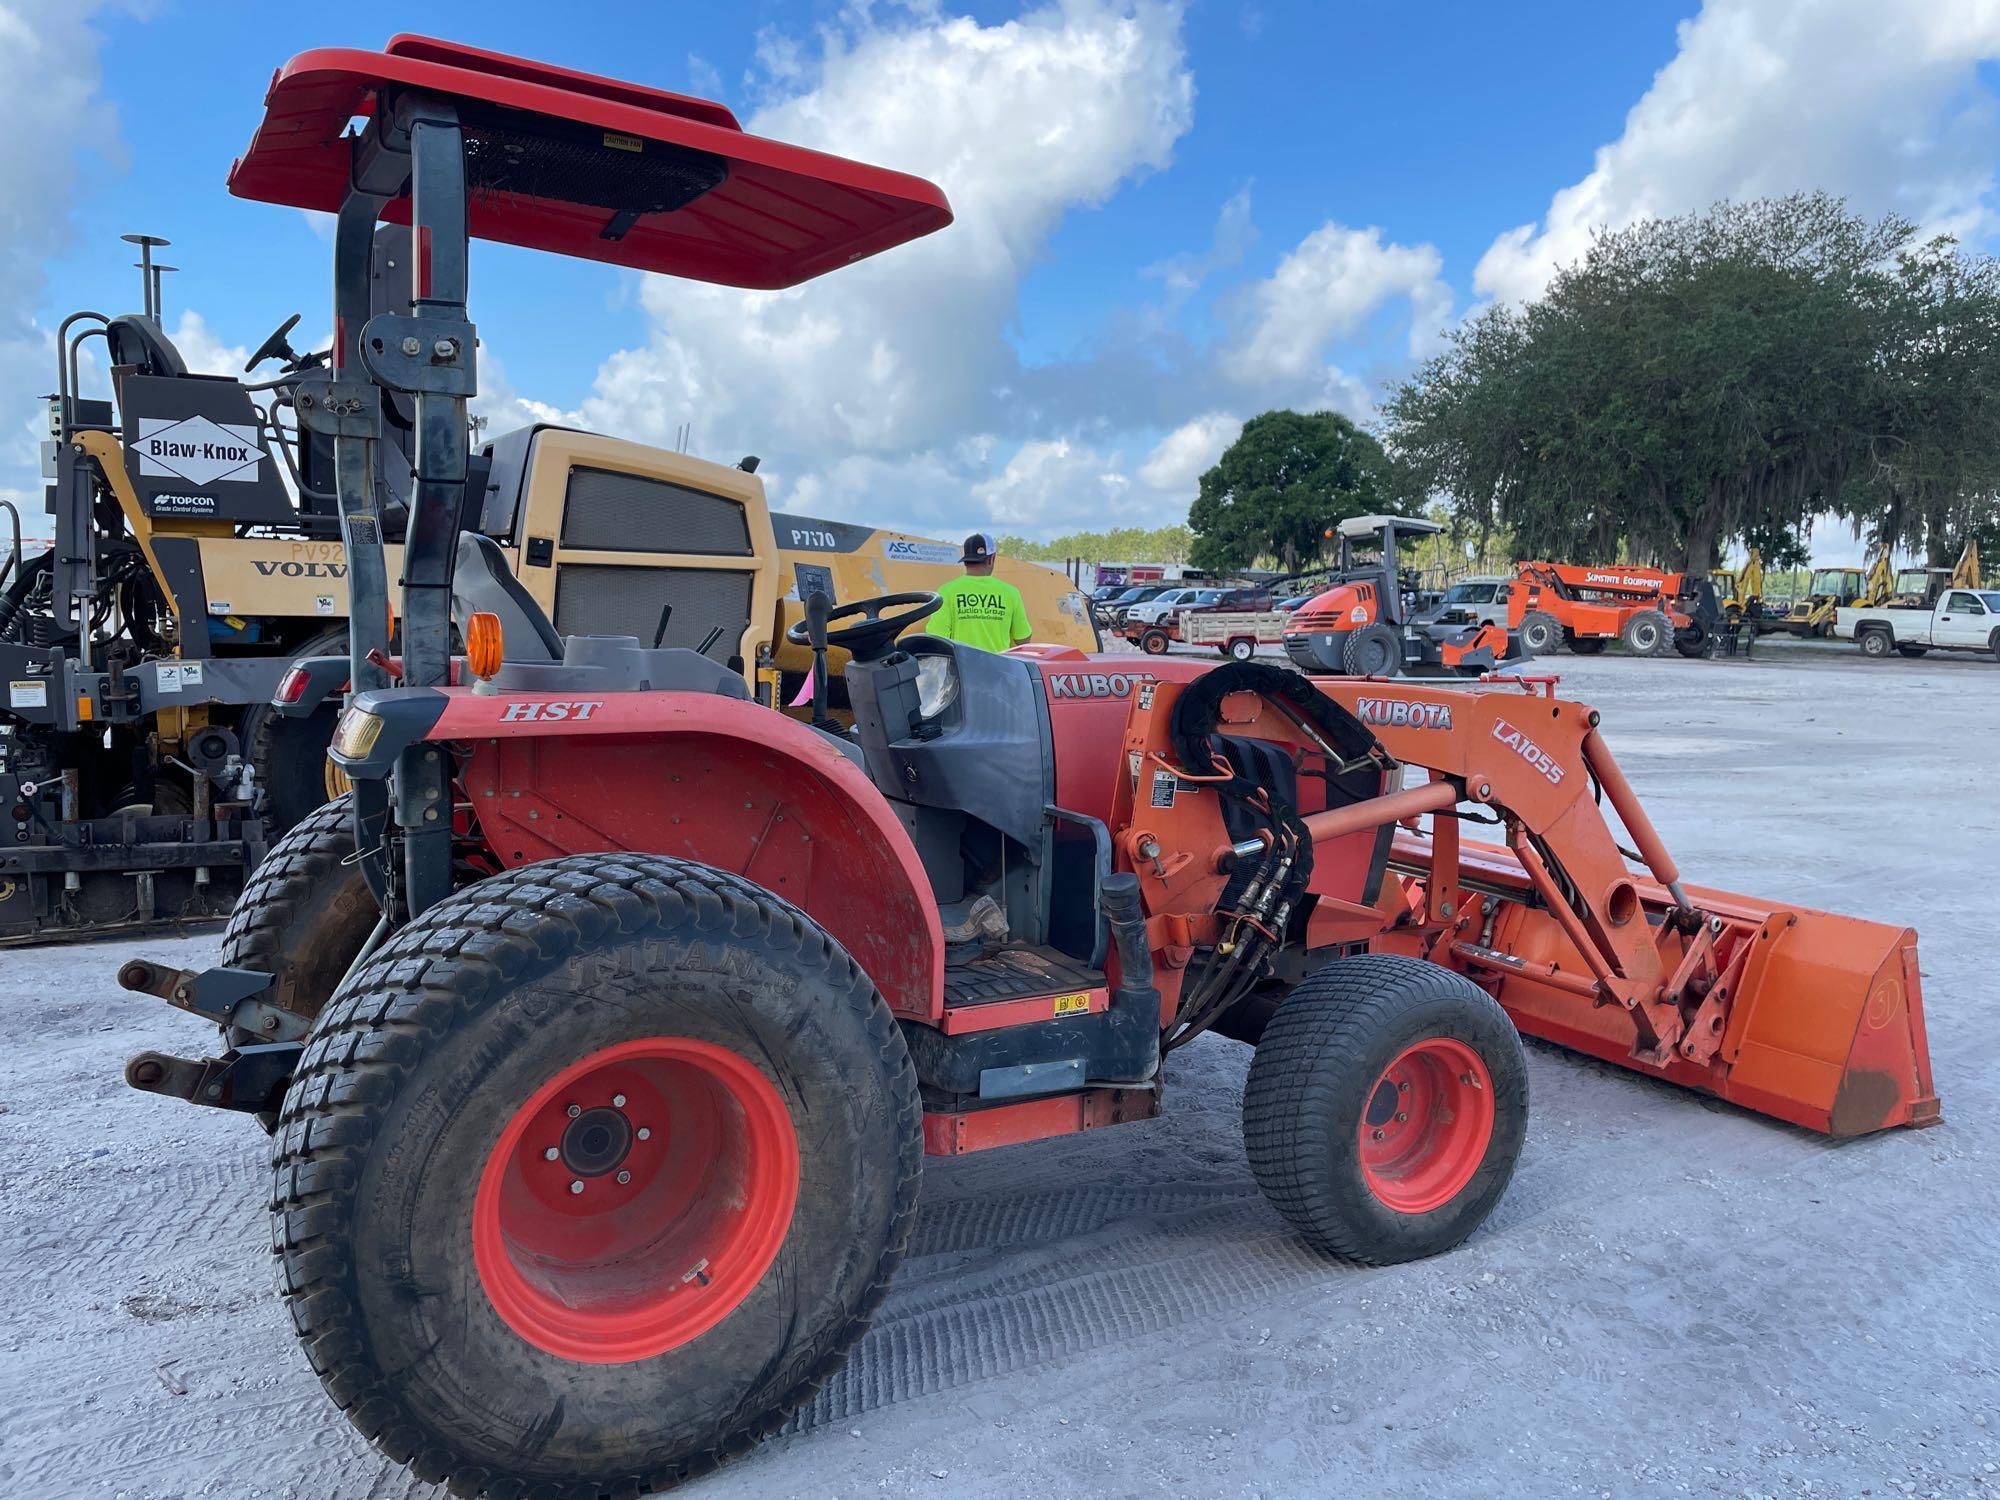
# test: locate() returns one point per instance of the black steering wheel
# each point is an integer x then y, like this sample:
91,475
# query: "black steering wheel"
277,346
877,632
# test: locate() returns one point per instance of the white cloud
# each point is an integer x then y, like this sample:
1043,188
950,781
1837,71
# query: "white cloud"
1176,464
1055,485
1328,288
905,358
50,111
1183,274
1876,99
205,353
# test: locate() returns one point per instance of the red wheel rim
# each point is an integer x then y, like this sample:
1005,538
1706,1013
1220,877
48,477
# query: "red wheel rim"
1427,1125
591,1268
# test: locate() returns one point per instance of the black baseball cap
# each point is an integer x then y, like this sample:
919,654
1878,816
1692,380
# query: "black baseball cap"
979,548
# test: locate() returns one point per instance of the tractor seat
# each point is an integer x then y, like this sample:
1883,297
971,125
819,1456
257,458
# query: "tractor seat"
140,342
482,583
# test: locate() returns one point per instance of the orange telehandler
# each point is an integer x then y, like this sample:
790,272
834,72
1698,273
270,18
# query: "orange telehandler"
605,1026
1588,607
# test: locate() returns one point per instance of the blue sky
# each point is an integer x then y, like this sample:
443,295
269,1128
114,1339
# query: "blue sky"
1170,216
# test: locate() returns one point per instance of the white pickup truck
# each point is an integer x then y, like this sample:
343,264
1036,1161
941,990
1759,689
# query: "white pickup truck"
1961,620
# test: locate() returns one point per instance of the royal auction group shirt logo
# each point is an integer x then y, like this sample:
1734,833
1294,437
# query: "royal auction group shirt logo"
198,450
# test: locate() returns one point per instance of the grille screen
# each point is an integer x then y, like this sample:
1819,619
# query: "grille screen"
627,601
610,512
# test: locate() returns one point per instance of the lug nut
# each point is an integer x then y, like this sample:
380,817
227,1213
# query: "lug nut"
575,1110
617,1101
623,1178
1378,1135
551,1154
576,1186
1401,1118
645,1134
1403,1088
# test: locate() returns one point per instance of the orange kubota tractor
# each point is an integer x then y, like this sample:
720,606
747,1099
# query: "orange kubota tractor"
605,1026
1364,622
1587,608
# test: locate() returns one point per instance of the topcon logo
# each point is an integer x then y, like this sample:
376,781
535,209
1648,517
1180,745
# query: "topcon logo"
1400,713
1095,684
1528,750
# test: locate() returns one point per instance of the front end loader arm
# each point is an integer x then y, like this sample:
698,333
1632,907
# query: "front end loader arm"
1812,1017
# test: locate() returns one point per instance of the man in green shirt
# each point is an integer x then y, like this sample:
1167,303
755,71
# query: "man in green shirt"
979,609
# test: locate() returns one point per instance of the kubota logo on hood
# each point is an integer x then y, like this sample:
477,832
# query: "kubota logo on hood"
1095,684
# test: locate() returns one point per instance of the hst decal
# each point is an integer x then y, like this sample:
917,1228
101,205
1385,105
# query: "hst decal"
543,713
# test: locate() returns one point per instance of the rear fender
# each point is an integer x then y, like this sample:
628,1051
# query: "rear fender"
713,779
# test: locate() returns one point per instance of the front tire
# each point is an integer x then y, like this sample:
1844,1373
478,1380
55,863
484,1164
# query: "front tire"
1373,651
1154,642
1385,1108
592,1176
1541,632
304,915
1647,633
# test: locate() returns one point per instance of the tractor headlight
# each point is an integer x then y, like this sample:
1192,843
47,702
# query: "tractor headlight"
356,734
937,685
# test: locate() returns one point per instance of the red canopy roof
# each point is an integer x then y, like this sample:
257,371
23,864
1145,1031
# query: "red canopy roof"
591,167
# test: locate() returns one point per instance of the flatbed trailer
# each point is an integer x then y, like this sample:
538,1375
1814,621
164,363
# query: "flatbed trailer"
1235,633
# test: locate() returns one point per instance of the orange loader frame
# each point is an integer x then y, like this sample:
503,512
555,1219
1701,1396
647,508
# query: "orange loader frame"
1810,1016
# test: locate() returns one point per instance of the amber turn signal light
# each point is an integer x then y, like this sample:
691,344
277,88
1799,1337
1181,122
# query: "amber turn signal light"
482,644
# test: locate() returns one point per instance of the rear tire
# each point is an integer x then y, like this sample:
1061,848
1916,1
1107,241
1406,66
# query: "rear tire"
1876,643
1541,632
1240,650
1154,642
1648,633
727,1281
1359,1122
1373,651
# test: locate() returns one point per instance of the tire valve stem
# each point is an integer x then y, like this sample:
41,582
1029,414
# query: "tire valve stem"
699,1274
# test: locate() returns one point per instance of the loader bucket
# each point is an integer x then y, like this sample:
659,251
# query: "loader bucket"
1814,1018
